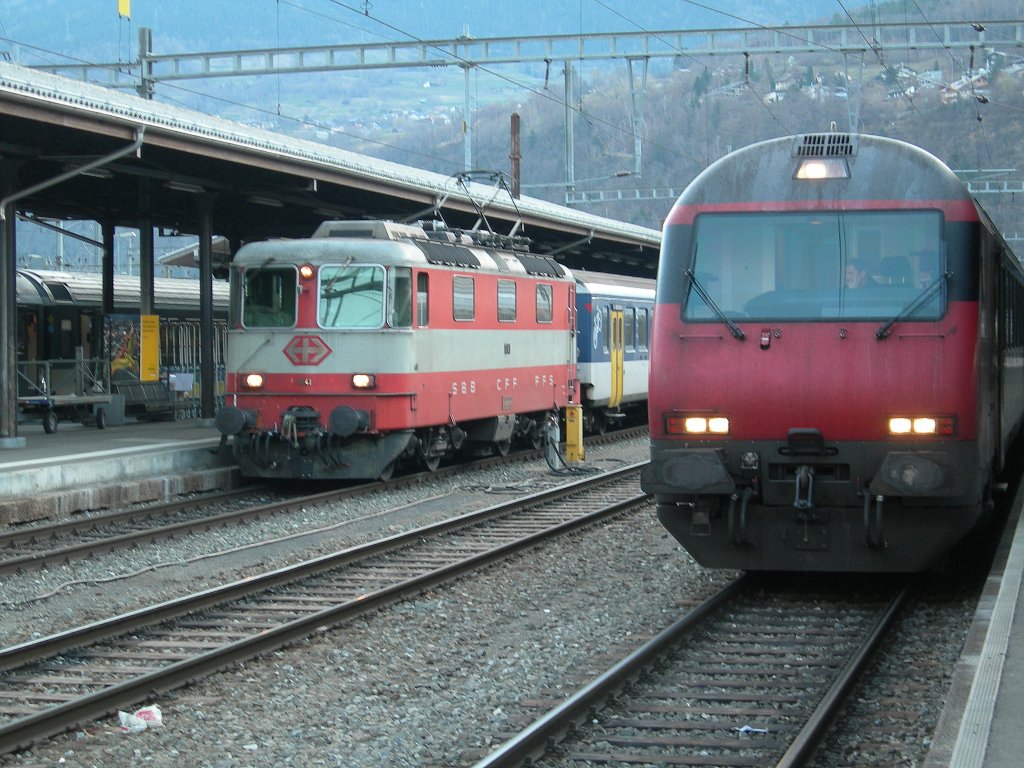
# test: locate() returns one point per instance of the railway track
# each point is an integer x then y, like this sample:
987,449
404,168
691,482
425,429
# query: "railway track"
55,683
44,546
750,677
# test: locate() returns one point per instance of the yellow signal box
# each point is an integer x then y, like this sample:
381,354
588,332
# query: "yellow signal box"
575,453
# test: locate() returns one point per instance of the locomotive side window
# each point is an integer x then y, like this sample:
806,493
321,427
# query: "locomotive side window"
506,301
463,299
422,302
351,296
545,303
269,297
400,304
869,265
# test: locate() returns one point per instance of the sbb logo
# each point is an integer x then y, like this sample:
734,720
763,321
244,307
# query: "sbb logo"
307,350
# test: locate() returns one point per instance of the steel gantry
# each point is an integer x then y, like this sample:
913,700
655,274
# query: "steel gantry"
470,54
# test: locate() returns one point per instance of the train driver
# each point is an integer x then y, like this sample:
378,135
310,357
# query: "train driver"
857,274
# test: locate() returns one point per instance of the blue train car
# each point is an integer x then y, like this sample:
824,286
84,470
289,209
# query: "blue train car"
613,320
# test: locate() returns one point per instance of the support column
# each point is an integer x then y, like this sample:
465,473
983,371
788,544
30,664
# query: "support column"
207,378
8,316
637,116
468,108
107,230
570,146
146,260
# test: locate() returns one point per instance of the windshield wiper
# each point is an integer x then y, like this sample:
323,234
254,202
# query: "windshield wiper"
916,304
733,328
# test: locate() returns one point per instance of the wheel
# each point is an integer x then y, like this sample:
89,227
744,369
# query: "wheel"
50,422
387,472
502,447
101,418
430,463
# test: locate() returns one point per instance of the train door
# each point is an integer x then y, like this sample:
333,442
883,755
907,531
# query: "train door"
616,335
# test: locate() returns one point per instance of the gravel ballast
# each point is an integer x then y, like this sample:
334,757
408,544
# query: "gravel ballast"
431,681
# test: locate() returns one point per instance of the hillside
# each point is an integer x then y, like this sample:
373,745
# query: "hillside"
695,110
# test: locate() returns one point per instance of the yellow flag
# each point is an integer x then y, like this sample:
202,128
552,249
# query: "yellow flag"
124,8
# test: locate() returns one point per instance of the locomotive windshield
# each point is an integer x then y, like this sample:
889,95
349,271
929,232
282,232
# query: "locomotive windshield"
814,266
351,296
269,297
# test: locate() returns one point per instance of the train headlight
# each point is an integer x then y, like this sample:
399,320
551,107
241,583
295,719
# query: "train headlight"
922,425
364,381
683,424
306,271
252,381
814,168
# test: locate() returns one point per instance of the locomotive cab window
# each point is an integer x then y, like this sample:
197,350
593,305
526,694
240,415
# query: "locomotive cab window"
818,266
269,297
351,296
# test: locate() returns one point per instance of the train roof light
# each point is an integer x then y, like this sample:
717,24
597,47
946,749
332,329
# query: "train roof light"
816,168
306,271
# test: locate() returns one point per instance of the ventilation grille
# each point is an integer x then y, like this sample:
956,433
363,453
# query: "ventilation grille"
825,145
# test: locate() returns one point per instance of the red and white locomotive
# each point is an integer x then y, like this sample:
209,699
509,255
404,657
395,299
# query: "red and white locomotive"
374,344
836,362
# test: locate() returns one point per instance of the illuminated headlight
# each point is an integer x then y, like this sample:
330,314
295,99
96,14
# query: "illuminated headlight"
364,381
252,381
681,424
812,168
306,271
922,425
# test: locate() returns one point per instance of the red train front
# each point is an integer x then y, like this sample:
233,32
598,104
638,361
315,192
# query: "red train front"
375,344
836,362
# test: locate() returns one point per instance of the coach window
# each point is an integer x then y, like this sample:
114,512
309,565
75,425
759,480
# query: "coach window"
605,323
400,312
629,328
268,297
642,327
463,299
422,303
506,301
351,296
545,304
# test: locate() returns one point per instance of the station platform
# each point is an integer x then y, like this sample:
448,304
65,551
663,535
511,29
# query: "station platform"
80,468
981,722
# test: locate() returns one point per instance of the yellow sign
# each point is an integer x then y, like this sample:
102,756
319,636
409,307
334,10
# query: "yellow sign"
149,349
124,8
